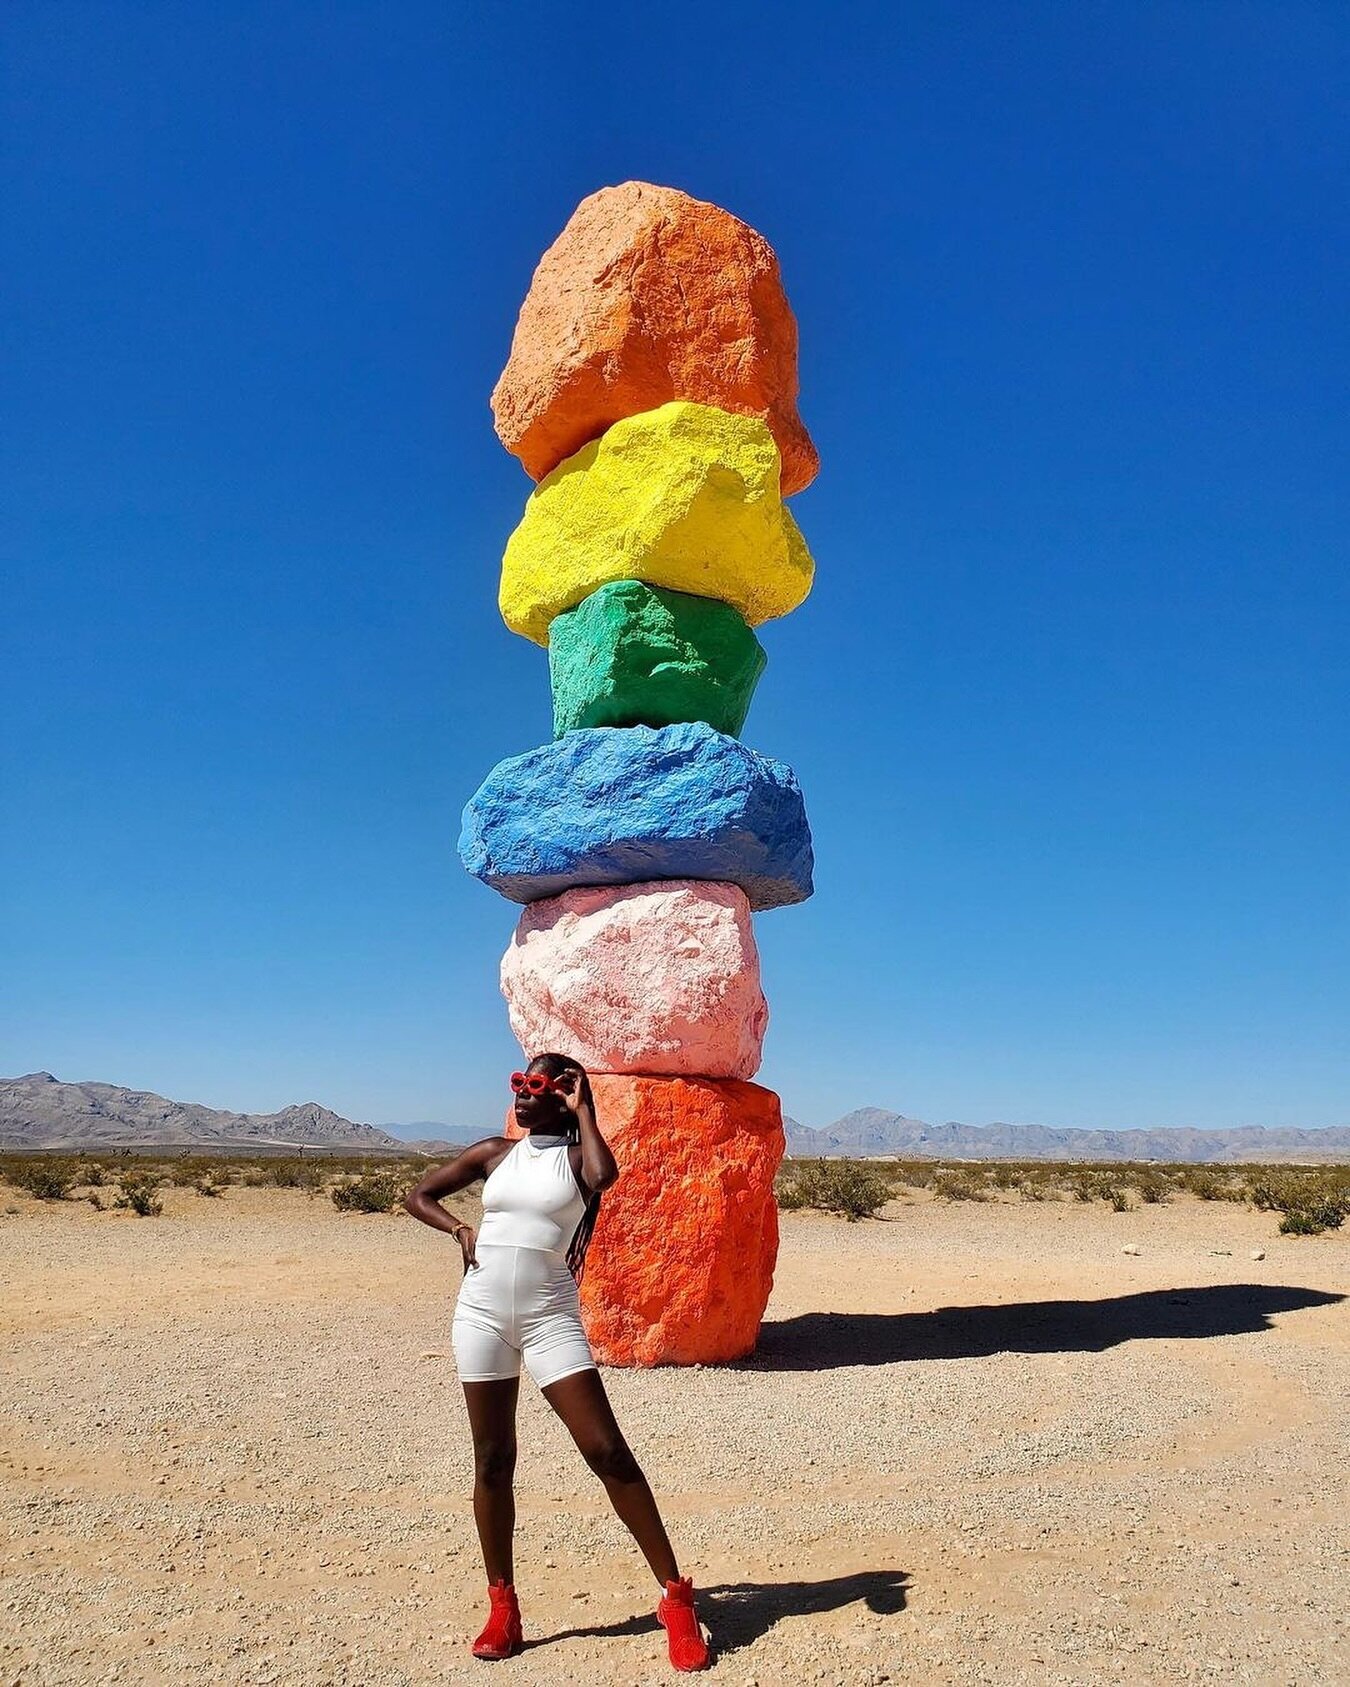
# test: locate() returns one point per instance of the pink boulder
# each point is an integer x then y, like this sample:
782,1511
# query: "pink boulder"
660,977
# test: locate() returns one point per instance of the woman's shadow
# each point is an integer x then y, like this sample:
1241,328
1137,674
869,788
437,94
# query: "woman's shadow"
739,1613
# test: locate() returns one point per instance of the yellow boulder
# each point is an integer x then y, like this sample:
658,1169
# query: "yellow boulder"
685,496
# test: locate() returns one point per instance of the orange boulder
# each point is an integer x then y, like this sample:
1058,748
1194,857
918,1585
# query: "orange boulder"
646,296
681,1262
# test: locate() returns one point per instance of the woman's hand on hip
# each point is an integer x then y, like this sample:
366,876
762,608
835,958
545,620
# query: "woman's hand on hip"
467,1237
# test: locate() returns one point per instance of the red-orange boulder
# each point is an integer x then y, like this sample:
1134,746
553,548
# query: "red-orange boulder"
646,296
681,1263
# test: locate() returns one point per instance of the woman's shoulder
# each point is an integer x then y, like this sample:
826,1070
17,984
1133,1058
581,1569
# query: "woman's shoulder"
489,1152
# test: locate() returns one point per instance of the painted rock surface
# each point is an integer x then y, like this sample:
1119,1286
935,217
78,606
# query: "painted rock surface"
645,296
681,1263
684,497
633,655
622,805
659,977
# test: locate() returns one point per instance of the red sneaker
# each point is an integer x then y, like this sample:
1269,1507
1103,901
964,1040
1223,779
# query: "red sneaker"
502,1637
676,1615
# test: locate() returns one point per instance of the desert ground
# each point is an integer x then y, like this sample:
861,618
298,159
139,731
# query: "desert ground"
978,1443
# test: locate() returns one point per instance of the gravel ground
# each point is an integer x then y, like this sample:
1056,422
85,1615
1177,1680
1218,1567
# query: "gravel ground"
978,1444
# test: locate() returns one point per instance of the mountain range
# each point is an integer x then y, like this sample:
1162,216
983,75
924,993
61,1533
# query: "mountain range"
443,1138
873,1130
38,1111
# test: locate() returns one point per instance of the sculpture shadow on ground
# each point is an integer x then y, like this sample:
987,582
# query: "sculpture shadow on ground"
820,1341
737,1614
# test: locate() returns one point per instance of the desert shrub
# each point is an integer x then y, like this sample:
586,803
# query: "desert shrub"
1154,1189
789,1190
1276,1192
1101,1183
1210,1185
1038,1181
208,1186
94,1175
836,1186
1309,1199
1316,1214
914,1174
287,1173
95,1201
48,1180
253,1177
375,1192
959,1186
140,1192
380,1166
300,1173
188,1172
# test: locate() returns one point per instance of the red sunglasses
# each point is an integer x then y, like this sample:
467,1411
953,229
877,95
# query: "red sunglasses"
534,1083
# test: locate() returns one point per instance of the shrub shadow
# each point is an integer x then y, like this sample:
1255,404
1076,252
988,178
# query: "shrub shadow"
818,1341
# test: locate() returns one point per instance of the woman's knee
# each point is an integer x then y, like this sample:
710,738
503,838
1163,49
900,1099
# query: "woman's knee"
611,1458
494,1463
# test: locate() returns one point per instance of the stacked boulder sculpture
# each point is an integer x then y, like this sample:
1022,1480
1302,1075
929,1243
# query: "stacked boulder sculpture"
651,391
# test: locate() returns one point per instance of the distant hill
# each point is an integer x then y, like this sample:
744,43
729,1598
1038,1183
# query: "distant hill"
441,1139
38,1111
868,1131
873,1131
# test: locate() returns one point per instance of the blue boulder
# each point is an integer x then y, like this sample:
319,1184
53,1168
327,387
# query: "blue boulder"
622,805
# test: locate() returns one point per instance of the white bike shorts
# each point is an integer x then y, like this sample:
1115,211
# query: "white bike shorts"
519,1303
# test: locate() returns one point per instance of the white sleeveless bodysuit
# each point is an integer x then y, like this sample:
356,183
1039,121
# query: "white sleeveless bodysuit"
520,1300
532,1199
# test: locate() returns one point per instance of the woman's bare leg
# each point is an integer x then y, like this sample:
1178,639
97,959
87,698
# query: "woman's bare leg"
492,1418
581,1402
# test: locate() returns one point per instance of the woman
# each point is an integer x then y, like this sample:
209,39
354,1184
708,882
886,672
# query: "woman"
519,1300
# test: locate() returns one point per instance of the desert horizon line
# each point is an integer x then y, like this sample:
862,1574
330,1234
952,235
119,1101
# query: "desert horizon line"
792,1124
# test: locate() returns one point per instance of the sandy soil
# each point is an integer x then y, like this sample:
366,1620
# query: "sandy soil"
979,1444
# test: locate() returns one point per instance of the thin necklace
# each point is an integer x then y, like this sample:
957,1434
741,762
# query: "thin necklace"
546,1139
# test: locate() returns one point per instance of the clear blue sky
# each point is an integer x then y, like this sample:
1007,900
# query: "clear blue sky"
1069,701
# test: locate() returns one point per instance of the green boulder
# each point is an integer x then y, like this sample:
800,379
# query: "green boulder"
637,655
